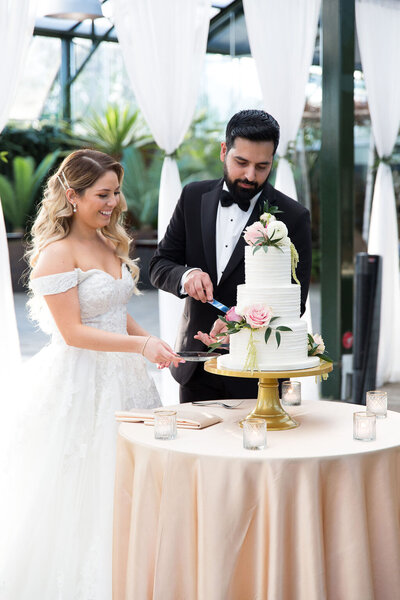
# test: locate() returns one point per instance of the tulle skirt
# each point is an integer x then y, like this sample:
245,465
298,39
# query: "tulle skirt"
57,471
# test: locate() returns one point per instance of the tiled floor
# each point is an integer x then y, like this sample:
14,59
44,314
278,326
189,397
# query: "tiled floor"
144,309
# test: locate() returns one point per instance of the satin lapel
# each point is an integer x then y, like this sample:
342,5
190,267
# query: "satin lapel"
209,207
238,252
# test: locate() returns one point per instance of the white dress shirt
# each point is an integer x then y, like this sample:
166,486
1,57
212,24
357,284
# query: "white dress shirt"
231,220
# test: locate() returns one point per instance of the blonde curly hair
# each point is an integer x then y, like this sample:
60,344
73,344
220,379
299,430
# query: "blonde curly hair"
81,169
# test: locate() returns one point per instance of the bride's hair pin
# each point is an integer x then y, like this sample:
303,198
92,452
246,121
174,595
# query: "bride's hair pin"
65,184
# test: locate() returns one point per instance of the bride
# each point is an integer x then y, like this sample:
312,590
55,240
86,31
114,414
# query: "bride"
61,469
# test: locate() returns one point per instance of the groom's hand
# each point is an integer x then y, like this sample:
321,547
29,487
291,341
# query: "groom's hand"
210,338
198,285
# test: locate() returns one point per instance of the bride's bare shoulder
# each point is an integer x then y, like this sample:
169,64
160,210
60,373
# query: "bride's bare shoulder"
56,257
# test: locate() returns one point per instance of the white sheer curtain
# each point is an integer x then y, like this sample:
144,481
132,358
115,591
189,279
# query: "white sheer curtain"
16,27
378,29
282,39
164,45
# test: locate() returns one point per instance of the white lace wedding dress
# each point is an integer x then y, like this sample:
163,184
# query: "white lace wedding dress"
61,469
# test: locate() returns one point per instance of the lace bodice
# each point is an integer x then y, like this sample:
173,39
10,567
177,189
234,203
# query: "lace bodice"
102,298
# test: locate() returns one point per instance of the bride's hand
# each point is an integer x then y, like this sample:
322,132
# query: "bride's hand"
158,351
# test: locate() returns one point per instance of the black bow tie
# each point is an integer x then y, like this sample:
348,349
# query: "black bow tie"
227,199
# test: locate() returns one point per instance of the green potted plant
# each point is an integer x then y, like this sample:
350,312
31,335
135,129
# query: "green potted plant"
18,197
118,129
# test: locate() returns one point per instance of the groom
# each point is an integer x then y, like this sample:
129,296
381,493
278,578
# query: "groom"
201,256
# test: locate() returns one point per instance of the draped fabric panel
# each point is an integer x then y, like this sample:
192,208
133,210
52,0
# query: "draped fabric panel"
378,27
164,45
16,27
282,39
9,340
284,180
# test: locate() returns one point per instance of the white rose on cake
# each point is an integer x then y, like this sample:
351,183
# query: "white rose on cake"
278,232
267,218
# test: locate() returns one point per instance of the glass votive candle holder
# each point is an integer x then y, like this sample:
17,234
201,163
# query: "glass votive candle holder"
364,426
254,434
377,403
165,424
291,393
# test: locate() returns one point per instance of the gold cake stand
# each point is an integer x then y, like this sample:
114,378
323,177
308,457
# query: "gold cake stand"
268,403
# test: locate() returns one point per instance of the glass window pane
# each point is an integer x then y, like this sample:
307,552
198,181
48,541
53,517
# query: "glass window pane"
40,71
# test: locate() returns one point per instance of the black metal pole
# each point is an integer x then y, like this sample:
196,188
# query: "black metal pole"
65,79
337,162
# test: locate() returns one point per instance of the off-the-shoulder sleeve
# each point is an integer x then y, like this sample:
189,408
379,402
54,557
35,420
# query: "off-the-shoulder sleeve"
54,284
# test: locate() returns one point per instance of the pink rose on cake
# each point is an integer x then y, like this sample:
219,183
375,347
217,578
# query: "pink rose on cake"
257,315
277,231
318,347
254,232
232,315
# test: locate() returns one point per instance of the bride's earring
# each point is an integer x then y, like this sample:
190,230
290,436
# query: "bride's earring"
74,207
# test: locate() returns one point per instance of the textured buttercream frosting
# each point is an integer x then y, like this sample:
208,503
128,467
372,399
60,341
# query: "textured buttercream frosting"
267,269
268,281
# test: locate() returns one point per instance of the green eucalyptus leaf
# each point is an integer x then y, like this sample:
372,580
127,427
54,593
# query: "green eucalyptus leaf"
267,334
325,357
273,210
214,346
278,338
283,328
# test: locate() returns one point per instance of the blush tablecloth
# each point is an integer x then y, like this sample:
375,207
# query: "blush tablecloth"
314,516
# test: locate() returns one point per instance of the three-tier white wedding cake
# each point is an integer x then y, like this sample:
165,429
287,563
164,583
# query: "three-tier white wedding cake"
268,285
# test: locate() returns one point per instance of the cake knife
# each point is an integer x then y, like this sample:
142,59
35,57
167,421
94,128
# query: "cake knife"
218,305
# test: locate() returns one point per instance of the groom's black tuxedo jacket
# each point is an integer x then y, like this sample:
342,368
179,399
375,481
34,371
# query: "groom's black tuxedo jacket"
190,242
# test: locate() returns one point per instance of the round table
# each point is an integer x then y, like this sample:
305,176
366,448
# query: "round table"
314,516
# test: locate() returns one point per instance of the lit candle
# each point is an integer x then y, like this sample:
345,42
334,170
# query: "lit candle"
291,393
377,403
364,426
254,434
165,424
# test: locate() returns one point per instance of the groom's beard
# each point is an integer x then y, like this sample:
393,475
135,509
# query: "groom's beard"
240,193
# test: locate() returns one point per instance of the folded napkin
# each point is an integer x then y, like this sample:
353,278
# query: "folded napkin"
185,419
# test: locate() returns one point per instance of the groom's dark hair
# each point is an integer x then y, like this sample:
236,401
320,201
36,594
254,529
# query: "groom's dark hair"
254,125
